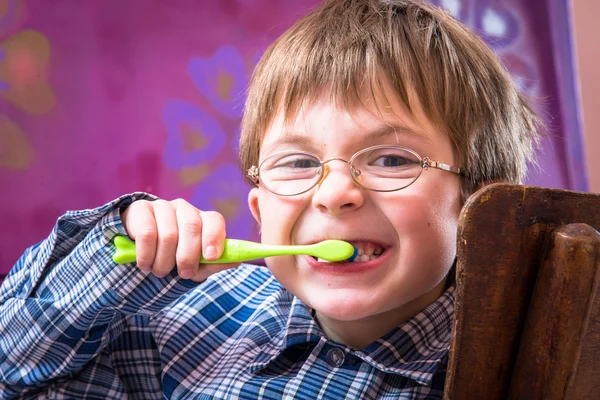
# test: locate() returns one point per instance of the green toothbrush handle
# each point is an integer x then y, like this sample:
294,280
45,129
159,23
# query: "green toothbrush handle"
234,251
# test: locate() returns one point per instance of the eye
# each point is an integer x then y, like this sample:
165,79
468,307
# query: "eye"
390,161
304,163
297,161
286,167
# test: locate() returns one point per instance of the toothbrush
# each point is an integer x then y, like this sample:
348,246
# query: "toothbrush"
243,250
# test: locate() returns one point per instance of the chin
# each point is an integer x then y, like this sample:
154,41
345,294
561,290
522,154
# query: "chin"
349,306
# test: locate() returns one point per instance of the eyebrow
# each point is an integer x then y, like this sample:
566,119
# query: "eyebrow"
387,130
380,132
290,138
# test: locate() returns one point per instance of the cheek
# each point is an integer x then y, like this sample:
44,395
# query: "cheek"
441,225
426,227
279,216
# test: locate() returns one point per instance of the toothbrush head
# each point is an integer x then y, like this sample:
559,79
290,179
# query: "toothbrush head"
354,255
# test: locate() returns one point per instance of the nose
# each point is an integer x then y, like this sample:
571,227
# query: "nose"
336,192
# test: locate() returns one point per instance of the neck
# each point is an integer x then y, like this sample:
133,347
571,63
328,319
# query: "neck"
358,334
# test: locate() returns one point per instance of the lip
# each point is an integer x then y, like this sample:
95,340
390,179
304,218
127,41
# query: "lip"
347,268
352,241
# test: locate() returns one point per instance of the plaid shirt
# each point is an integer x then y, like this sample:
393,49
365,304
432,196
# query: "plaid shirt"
75,325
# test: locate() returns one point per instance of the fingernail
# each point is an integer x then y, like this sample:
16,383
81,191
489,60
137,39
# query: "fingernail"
210,252
186,274
144,267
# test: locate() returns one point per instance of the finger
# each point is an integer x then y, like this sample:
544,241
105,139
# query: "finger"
166,244
189,247
140,225
213,234
206,270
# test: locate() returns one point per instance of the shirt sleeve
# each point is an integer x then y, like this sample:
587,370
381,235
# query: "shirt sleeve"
65,299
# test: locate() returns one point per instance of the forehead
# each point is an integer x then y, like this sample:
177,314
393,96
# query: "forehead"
324,121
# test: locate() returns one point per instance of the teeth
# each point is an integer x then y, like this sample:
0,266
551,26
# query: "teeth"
366,257
367,251
327,261
365,254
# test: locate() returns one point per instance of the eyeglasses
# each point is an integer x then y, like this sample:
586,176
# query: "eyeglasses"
378,168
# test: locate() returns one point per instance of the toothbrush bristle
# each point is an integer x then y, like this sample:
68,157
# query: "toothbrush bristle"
353,256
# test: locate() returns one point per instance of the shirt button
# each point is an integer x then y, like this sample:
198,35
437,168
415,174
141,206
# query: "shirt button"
335,357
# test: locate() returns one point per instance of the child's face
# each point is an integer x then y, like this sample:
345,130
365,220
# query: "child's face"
416,225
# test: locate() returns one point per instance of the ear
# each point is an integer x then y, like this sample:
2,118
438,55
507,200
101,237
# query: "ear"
253,204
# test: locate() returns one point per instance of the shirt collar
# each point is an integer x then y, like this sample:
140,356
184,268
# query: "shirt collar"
415,349
300,328
418,347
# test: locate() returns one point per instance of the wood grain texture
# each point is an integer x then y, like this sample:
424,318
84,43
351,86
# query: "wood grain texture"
557,320
501,237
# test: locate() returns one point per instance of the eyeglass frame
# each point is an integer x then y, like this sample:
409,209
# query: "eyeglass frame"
253,173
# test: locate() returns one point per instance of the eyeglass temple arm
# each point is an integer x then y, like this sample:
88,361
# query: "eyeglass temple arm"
429,163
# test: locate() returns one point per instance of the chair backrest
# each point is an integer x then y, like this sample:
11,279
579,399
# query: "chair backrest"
527,299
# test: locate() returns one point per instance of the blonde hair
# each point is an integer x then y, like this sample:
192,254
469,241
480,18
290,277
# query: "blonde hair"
420,51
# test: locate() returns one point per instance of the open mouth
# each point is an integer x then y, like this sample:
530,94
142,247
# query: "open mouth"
365,251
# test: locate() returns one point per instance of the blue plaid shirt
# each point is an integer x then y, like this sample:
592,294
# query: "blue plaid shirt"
75,325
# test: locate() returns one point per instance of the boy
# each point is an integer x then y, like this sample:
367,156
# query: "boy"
368,121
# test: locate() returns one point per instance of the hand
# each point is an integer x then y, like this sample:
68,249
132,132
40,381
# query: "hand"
169,233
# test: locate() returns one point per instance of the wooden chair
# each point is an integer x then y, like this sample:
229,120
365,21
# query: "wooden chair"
528,299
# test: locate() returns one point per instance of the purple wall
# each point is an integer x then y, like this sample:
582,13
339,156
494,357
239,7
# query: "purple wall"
100,98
